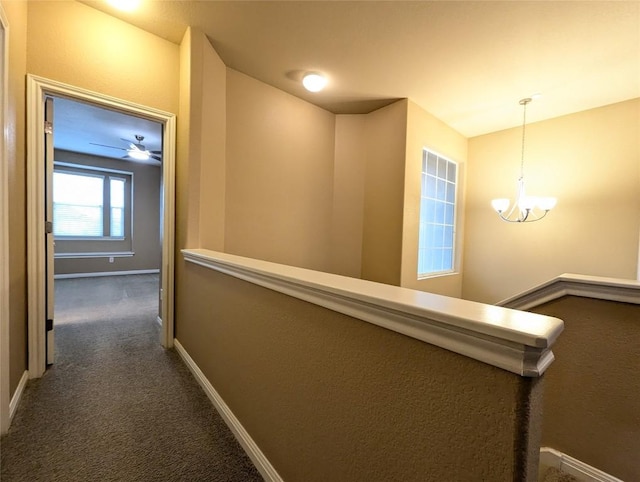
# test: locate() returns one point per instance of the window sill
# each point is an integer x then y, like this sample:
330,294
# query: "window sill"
117,254
88,238
437,275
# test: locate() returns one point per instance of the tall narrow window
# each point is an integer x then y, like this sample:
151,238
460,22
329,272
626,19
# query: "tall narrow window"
117,206
436,240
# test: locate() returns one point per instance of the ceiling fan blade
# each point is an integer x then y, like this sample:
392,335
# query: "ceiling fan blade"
157,158
110,147
158,153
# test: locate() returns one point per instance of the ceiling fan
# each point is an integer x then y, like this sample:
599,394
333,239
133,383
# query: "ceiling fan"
136,150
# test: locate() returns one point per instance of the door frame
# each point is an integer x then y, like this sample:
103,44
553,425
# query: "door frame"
37,89
5,395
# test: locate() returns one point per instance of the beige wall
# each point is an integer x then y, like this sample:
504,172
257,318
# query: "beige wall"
145,242
591,405
329,397
279,174
187,152
348,195
16,161
76,44
385,147
591,162
426,131
213,118
201,145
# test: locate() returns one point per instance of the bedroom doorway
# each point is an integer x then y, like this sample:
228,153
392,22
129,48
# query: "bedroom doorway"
103,201
118,180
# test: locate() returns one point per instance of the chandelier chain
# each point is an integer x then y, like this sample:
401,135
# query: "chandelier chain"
524,103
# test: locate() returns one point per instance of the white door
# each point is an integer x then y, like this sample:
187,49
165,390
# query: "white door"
49,242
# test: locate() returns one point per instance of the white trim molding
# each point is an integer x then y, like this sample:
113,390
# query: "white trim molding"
98,274
37,89
611,289
553,458
17,395
261,462
515,341
97,254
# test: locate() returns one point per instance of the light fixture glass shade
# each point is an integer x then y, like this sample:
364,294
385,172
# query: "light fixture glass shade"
500,205
314,82
547,203
138,154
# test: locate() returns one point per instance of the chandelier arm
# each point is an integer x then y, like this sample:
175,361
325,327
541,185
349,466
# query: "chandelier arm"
529,217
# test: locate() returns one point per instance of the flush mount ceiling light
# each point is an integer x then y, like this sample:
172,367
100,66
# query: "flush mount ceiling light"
525,208
314,82
125,5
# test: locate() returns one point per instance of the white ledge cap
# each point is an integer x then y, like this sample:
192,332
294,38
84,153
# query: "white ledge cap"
598,287
462,326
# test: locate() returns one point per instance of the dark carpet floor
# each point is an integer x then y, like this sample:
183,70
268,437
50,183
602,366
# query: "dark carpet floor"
116,406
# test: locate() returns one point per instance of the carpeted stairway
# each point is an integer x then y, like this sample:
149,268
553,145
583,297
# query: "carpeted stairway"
116,406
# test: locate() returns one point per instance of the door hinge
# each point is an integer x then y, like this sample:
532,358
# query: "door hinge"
48,127
48,227
49,325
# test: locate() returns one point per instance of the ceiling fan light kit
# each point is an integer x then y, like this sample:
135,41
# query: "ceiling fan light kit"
136,150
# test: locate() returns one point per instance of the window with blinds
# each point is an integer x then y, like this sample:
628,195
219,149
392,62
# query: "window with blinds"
89,204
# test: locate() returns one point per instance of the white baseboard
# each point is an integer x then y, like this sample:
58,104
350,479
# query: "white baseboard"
106,273
15,400
263,465
585,473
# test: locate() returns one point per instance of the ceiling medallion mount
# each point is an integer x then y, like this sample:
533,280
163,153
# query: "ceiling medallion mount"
525,209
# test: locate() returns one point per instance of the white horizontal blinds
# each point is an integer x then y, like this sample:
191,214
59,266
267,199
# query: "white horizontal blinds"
117,206
78,204
436,238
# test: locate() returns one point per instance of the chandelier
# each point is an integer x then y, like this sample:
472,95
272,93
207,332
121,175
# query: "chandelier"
525,208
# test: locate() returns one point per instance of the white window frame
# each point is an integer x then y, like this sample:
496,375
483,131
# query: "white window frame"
422,222
106,174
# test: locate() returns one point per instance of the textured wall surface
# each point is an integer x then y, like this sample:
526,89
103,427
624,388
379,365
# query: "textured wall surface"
329,397
592,403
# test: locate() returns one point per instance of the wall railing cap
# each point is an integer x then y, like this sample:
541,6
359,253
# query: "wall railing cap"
514,340
568,284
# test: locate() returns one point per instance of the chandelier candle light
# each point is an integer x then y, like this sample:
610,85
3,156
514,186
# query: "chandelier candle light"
525,208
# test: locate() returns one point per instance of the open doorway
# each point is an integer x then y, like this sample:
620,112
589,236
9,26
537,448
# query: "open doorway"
106,197
108,254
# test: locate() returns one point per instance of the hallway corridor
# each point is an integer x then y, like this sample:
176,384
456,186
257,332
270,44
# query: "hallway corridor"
116,406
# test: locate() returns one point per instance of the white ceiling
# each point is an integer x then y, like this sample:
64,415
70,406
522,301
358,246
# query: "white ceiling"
467,63
79,126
